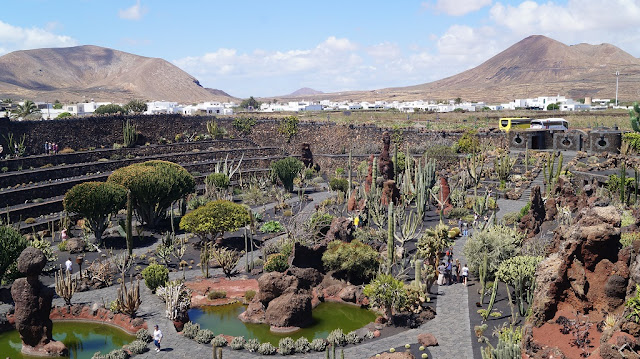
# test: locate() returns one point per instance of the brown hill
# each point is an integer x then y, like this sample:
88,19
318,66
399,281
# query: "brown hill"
535,66
305,91
91,72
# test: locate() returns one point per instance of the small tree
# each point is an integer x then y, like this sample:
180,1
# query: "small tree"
387,293
553,107
155,185
11,245
356,259
109,109
289,127
250,104
227,259
634,117
26,110
135,106
95,201
215,218
286,170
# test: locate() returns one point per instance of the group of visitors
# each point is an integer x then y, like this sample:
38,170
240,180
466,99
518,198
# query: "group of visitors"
50,148
450,271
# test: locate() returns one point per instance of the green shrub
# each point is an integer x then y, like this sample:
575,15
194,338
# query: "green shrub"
62,246
45,246
387,293
205,336
64,115
458,213
319,223
627,238
155,185
266,349
337,337
353,338
244,124
276,263
339,184
190,330
217,181
469,142
289,127
356,260
627,219
11,245
272,227
95,201
302,345
109,109
524,210
215,218
197,202
511,218
219,341
137,347
248,295
237,343
252,345
633,140
144,336
217,294
155,275
633,306
286,170
318,345
286,346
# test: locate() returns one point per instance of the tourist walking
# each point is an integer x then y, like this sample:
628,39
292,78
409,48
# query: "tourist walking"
447,271
465,274
441,273
457,271
69,265
157,337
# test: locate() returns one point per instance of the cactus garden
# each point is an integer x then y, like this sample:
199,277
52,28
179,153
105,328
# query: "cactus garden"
268,221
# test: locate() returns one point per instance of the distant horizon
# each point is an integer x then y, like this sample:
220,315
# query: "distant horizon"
261,49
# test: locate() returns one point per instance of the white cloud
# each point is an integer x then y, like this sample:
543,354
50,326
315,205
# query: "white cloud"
19,38
457,7
133,13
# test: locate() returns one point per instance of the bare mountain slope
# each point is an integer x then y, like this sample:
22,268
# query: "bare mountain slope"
538,65
84,72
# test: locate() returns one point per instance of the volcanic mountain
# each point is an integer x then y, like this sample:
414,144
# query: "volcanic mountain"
92,72
535,66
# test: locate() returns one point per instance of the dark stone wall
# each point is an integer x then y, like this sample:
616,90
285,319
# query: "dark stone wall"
330,138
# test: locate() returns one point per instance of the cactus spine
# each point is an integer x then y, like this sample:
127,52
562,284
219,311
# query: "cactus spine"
390,238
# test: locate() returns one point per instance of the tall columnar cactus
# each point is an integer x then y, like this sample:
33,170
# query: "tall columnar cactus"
129,134
635,185
474,164
395,163
550,175
492,299
482,274
128,299
65,286
205,255
526,158
129,224
425,176
390,238
418,273
623,182
503,166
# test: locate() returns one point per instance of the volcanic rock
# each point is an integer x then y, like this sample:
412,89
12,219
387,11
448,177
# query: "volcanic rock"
292,309
427,340
341,229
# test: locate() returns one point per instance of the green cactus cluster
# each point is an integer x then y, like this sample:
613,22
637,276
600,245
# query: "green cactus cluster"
503,165
129,134
509,339
519,272
550,174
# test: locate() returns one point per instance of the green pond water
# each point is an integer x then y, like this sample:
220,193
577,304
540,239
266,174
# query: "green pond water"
326,317
82,339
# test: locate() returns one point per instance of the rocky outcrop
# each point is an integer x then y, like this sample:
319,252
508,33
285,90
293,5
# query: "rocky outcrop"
390,192
427,340
306,257
283,299
531,222
33,306
305,155
587,272
342,229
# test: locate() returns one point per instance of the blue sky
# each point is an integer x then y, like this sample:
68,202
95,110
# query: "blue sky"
271,48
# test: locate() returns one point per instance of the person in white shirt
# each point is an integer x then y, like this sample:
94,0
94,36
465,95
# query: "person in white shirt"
69,265
157,337
465,274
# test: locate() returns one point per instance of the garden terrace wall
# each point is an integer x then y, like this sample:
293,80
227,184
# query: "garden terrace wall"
36,161
82,169
324,137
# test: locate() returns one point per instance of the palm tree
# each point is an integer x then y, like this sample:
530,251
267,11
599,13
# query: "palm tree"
24,110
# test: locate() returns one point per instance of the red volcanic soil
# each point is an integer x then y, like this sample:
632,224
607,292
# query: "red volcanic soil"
550,335
235,290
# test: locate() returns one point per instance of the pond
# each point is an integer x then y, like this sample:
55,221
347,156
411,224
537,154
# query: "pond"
327,316
82,339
